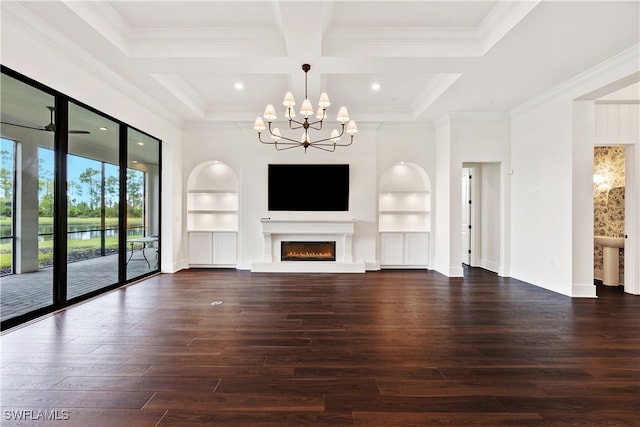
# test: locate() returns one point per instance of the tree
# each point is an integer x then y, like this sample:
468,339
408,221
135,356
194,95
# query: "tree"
112,193
91,178
6,183
135,189
45,184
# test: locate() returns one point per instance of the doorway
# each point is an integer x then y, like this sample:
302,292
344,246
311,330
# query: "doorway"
482,215
609,214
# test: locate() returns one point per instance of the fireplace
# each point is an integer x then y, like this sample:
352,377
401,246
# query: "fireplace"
276,231
307,251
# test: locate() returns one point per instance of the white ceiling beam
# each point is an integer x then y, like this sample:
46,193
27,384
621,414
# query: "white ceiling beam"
436,86
303,26
183,92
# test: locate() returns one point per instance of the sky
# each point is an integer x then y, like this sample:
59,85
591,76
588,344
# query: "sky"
76,165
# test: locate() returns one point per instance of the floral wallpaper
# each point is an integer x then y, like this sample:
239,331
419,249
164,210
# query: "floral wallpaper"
608,200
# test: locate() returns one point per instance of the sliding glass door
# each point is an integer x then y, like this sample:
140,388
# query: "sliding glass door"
93,189
79,201
27,178
143,204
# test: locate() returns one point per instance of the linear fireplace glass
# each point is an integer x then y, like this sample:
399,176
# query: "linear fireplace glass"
307,251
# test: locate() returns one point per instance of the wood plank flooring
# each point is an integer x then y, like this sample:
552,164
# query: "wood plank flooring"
388,348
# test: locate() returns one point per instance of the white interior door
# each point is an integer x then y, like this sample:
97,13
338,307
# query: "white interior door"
466,216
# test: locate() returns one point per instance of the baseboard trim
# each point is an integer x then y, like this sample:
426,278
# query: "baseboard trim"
583,291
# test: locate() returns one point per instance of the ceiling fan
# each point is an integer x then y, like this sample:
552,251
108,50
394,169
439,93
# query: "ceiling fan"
51,127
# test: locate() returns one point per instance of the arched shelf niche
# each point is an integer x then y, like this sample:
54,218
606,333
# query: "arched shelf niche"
404,216
212,215
405,199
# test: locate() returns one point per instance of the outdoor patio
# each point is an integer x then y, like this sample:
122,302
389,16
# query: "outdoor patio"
22,293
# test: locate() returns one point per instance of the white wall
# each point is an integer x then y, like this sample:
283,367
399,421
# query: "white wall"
238,146
375,148
466,139
550,163
441,199
491,224
26,51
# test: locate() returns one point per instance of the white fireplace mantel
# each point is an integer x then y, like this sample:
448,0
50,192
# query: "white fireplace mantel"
275,231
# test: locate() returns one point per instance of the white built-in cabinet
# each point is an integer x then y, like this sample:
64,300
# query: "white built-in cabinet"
404,217
212,215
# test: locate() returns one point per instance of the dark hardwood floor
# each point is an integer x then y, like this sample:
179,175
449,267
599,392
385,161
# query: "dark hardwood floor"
389,348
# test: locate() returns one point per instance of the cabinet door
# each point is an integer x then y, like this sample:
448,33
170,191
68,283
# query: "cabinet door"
416,249
391,249
224,248
200,248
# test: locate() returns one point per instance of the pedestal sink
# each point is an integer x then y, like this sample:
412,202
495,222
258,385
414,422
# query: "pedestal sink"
611,258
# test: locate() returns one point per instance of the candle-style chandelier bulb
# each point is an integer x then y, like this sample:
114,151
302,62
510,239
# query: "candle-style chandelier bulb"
352,128
343,115
259,125
324,101
335,135
270,113
289,100
306,109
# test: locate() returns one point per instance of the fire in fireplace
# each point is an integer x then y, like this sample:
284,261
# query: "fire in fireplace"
308,251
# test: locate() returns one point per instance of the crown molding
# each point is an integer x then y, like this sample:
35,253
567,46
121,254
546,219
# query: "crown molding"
175,42
502,19
231,41
431,42
477,115
628,58
24,21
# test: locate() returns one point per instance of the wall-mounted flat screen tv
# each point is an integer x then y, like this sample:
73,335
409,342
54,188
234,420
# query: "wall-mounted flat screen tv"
308,187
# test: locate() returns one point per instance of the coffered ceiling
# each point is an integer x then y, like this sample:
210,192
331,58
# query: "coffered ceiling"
184,59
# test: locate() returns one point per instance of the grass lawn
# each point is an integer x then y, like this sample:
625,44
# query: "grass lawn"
79,247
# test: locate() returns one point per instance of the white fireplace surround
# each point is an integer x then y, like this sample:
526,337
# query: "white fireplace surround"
275,231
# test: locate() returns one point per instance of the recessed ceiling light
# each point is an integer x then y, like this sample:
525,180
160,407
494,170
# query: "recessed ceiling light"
141,143
134,161
102,128
239,86
375,86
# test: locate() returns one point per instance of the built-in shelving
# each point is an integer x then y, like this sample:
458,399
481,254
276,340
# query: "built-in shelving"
212,215
404,217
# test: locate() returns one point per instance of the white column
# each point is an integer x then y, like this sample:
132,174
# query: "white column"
27,209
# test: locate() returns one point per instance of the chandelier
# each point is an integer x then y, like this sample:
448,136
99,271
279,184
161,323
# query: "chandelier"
282,142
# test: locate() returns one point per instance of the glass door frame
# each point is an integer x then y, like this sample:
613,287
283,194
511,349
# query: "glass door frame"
61,148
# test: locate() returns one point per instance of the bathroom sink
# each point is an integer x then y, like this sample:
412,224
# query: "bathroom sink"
610,258
609,242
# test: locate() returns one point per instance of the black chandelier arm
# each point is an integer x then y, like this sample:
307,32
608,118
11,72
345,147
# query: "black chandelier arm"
296,122
280,136
287,145
322,142
321,147
293,143
314,123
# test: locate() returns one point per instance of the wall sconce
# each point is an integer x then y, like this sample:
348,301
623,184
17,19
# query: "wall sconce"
601,182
